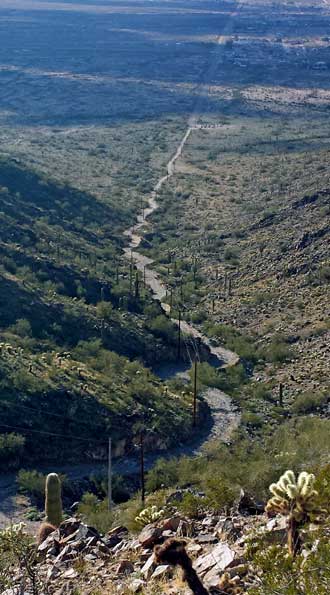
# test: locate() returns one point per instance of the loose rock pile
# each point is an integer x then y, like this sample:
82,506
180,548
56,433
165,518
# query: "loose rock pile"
76,558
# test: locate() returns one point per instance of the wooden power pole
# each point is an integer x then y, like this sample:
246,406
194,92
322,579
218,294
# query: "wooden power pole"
281,395
142,467
109,476
179,337
195,395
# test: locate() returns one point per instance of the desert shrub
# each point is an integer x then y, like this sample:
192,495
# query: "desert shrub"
324,273
162,327
127,513
9,264
96,512
22,380
191,505
322,485
18,552
87,349
198,317
308,402
11,450
260,391
223,332
231,255
251,419
243,345
278,351
227,379
245,348
248,464
22,328
163,474
32,483
279,574
120,487
220,493
105,311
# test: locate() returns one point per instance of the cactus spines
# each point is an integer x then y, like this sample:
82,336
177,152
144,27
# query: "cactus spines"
149,515
53,506
296,499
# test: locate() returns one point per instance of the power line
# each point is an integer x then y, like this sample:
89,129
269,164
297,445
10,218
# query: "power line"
45,433
20,406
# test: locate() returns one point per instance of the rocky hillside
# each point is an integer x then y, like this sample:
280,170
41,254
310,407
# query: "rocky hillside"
242,238
238,552
73,318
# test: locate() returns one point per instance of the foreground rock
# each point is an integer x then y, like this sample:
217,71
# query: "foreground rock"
77,558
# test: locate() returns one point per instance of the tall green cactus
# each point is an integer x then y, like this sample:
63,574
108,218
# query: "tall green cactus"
296,499
53,505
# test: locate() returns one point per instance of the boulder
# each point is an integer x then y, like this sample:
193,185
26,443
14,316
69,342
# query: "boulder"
248,505
136,585
276,530
70,574
206,539
149,567
69,527
171,524
221,556
125,567
183,529
161,571
149,536
52,542
120,530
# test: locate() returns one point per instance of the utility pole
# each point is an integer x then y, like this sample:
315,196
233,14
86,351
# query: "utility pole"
195,395
142,467
179,337
137,286
229,286
109,476
281,394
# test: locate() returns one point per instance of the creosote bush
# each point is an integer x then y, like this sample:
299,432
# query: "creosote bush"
95,512
308,402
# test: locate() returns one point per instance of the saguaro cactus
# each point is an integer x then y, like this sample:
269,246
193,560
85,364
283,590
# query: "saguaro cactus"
296,499
53,505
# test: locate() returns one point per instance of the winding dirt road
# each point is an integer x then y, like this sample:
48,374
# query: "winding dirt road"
225,418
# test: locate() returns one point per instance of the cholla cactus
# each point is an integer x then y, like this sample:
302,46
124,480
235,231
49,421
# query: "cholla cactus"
295,498
10,534
149,515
